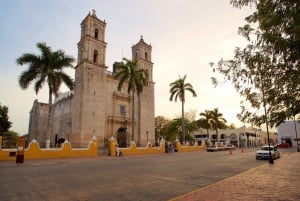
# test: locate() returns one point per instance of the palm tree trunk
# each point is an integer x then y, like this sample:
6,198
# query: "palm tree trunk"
217,136
139,121
132,116
182,122
49,125
207,135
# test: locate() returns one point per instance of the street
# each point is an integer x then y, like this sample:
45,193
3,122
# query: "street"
143,177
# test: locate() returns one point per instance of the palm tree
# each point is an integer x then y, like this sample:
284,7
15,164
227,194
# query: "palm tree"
217,121
136,79
206,120
177,90
46,67
5,124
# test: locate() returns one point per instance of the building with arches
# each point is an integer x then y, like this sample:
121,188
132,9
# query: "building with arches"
96,107
240,137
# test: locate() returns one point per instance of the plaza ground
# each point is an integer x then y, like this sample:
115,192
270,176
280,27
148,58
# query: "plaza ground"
176,176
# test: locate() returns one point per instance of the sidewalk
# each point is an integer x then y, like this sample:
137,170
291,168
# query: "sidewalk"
278,181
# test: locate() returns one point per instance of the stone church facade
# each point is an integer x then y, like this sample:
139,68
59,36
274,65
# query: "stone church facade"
96,107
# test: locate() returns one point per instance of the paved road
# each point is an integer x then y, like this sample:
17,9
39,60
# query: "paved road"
146,177
267,182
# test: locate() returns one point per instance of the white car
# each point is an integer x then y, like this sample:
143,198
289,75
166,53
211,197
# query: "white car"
212,148
263,152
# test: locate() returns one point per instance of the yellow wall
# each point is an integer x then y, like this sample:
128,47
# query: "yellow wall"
133,150
34,152
188,148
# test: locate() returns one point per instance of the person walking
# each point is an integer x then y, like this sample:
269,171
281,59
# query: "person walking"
166,147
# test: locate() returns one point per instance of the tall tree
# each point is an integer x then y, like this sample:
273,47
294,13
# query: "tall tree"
46,68
206,118
275,26
217,121
135,77
177,90
266,72
5,124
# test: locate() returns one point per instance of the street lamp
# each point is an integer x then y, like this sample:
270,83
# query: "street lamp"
296,135
147,135
69,124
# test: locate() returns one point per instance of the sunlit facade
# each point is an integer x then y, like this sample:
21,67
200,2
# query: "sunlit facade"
240,137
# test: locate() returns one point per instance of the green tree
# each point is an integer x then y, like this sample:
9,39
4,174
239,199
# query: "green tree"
177,90
172,130
266,72
135,77
205,121
274,51
46,68
5,124
10,139
217,121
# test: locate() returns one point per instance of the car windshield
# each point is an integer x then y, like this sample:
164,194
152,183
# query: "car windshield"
266,148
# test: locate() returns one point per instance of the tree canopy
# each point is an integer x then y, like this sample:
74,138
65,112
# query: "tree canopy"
5,124
46,67
129,72
267,71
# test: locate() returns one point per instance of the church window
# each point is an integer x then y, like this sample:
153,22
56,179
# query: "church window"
122,110
136,55
95,56
96,33
146,56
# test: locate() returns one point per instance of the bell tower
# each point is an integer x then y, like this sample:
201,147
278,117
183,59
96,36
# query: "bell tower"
145,107
88,106
92,45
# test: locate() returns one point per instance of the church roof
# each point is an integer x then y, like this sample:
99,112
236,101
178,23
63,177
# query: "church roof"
93,15
142,42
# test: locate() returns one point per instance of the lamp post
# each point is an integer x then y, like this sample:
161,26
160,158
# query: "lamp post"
296,135
69,124
147,135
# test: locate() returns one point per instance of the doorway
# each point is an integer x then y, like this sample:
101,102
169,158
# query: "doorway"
121,137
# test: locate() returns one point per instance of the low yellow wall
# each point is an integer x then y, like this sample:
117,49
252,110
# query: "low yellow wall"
188,148
35,152
133,150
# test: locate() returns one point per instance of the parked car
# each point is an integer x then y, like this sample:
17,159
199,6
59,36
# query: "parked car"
263,152
283,145
221,147
229,146
212,148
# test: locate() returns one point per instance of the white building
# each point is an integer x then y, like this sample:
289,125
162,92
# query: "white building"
239,137
288,132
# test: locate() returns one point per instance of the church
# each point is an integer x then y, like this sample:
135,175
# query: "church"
96,107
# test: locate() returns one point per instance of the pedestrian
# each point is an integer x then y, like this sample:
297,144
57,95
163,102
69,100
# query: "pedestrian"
166,147
118,151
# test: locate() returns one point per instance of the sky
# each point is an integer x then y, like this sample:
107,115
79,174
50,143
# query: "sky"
185,35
